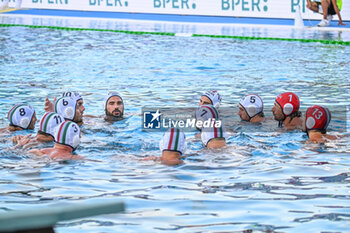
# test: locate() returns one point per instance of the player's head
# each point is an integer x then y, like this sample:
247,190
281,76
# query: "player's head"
68,134
173,140
23,116
68,108
250,106
285,105
213,136
48,123
317,118
79,104
211,98
114,105
205,113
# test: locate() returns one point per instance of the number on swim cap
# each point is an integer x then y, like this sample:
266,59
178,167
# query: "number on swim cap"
289,102
22,112
68,93
252,104
317,117
252,99
21,115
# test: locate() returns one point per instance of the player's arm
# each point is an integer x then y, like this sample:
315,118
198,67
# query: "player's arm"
338,12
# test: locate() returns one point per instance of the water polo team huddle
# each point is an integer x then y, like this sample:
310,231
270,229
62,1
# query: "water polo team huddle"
64,116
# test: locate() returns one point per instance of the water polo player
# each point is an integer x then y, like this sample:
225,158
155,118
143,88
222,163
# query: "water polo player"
48,123
213,137
286,111
205,113
50,107
316,122
70,109
113,106
210,98
251,108
173,146
21,117
67,139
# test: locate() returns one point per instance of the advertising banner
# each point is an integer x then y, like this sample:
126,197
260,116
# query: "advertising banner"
285,9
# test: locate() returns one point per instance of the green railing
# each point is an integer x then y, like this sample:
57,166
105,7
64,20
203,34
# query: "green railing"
336,42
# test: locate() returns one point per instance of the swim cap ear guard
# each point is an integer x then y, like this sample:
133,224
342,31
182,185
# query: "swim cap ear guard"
317,118
66,106
72,94
21,115
68,133
214,97
108,96
173,140
49,122
289,103
209,133
204,113
252,104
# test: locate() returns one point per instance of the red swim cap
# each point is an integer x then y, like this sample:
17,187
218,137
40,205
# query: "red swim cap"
317,117
289,102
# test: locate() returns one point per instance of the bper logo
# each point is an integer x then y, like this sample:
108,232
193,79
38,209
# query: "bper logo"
152,120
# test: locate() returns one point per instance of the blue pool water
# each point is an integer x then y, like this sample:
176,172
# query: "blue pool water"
265,180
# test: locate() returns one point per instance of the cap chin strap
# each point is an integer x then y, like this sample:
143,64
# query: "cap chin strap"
280,123
76,141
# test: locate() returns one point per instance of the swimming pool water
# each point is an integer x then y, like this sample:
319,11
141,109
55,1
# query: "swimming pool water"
266,180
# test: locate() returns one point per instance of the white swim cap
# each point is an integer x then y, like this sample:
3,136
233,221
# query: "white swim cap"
214,97
252,104
206,112
173,140
73,94
66,107
49,123
211,132
21,115
110,95
68,133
